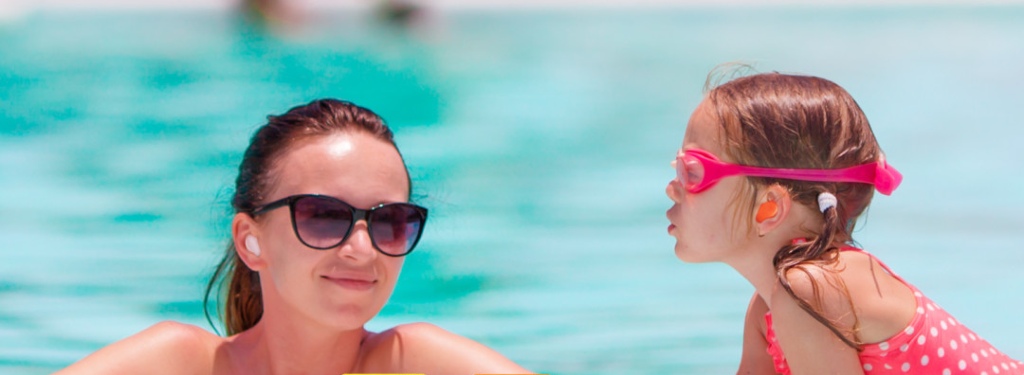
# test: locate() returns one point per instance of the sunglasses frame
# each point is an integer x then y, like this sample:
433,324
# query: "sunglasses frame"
357,214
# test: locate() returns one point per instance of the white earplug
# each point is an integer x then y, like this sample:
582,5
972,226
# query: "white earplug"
252,245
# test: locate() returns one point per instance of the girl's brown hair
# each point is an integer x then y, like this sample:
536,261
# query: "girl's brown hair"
791,121
241,304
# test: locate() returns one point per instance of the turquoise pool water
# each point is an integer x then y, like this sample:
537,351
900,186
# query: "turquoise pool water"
539,140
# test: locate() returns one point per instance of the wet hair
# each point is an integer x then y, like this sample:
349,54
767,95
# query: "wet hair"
242,303
790,121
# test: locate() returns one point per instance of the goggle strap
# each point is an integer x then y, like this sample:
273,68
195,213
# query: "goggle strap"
884,177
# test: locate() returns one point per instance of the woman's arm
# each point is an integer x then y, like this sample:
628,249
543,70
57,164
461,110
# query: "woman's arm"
164,348
755,359
423,348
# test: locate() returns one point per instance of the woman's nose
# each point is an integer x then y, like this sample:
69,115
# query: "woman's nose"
358,246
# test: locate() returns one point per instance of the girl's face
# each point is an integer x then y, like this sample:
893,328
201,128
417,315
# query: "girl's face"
345,286
704,224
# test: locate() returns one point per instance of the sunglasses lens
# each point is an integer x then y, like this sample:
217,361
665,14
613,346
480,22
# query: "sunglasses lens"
321,222
396,227
690,172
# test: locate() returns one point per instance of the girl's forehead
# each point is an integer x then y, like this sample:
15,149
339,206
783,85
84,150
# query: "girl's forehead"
703,130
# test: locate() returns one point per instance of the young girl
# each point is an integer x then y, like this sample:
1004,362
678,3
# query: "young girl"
322,225
773,172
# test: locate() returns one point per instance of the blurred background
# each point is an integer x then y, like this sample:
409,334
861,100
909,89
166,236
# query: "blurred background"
538,133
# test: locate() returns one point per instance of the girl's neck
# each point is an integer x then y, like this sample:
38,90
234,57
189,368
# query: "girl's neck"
756,258
289,345
756,266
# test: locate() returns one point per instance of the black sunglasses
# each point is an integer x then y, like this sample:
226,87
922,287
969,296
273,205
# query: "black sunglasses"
323,222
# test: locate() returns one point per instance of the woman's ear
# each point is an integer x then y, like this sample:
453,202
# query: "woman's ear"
773,206
245,235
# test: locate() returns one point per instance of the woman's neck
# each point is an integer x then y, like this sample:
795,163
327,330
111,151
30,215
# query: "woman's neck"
277,346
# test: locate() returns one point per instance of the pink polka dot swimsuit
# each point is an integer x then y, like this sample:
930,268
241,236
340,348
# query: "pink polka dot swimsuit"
933,343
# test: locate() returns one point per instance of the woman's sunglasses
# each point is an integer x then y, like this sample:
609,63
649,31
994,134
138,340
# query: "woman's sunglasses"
323,222
698,170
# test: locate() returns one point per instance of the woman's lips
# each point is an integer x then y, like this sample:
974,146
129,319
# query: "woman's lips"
671,227
354,283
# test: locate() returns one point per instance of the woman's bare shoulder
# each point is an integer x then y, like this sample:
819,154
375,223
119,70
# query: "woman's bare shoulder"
166,347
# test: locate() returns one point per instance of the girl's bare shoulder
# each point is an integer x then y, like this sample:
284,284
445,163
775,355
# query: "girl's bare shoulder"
881,304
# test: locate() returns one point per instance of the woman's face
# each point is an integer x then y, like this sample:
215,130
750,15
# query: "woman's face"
704,224
345,286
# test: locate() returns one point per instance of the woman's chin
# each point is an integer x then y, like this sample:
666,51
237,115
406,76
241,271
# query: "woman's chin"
348,318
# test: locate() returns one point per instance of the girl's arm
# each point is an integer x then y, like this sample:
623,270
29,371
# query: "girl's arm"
164,348
422,348
809,346
755,359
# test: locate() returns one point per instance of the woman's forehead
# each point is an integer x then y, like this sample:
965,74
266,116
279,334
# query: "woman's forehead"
353,166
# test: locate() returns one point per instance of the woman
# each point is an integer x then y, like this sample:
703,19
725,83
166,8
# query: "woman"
321,227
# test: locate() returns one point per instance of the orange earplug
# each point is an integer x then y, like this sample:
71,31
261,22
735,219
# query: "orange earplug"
766,211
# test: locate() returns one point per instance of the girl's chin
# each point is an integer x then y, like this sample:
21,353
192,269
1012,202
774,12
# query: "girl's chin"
686,255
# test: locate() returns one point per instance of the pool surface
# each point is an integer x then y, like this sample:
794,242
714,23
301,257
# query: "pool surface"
540,141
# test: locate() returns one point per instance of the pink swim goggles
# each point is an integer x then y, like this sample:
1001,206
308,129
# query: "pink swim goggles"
698,170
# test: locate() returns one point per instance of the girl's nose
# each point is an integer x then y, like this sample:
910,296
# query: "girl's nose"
674,191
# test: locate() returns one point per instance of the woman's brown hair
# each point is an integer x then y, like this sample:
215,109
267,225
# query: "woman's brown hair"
241,303
790,121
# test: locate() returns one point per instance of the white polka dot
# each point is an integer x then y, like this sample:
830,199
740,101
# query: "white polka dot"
931,307
909,330
920,310
946,372
973,337
905,367
963,338
904,347
1014,365
920,340
1005,367
887,367
867,367
992,350
962,364
984,354
884,346
974,357
995,369
917,294
952,321
952,344
935,332
942,352
984,373
943,324
924,360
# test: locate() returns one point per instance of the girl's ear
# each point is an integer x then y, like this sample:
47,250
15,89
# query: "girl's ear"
773,206
245,234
